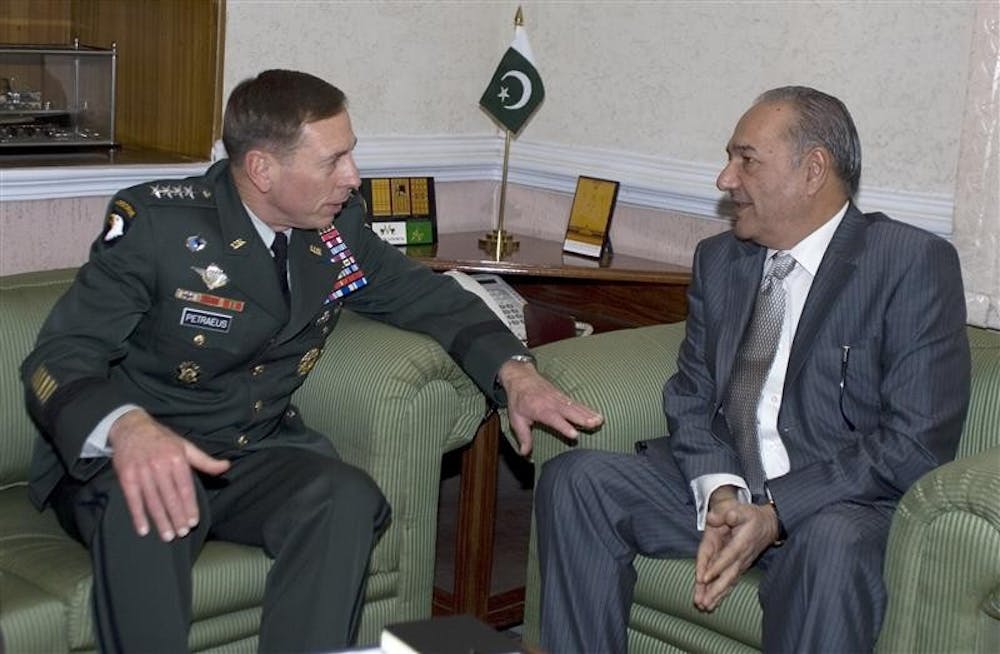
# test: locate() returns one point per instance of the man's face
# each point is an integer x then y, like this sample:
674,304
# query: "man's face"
312,184
763,179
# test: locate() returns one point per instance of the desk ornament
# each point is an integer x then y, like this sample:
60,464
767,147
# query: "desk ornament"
513,94
401,210
590,218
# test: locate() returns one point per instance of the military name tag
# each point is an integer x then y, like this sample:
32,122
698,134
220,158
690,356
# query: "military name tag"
216,322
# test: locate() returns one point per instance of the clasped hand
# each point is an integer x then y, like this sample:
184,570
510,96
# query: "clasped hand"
735,535
531,398
154,466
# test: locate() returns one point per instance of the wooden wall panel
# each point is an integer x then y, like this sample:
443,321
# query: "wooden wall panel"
35,22
169,68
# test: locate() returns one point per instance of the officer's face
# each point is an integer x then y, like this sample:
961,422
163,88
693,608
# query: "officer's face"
312,184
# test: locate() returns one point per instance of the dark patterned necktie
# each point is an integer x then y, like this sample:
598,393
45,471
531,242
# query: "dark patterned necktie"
753,362
280,249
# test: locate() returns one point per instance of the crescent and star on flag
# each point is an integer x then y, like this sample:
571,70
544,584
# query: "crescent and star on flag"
525,90
516,89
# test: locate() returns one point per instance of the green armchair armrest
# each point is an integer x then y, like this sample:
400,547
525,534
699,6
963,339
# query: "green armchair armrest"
393,403
943,561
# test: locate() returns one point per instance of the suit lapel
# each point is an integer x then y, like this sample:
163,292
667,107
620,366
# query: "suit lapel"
312,277
834,271
744,278
248,261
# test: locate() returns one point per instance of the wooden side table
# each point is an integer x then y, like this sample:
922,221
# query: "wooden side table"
624,292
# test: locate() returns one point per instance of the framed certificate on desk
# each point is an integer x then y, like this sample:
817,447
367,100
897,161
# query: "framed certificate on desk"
401,210
590,217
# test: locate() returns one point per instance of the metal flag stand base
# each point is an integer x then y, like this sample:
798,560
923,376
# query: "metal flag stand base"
500,242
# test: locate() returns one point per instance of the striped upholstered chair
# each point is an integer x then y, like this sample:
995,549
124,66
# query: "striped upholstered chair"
943,565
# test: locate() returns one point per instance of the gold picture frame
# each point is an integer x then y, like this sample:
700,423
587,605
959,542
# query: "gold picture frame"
590,217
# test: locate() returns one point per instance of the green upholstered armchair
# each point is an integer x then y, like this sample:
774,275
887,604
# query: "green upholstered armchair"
943,564
392,401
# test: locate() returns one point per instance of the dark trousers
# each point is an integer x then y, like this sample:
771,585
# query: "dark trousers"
315,515
822,591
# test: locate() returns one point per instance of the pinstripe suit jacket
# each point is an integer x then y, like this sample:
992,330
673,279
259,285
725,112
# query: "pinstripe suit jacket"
891,292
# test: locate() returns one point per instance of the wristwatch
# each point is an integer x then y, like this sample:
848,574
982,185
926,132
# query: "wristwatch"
782,534
524,358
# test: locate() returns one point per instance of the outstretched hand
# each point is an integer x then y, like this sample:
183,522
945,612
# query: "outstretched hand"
154,465
531,398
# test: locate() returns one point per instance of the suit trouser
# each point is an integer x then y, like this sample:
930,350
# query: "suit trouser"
821,591
316,516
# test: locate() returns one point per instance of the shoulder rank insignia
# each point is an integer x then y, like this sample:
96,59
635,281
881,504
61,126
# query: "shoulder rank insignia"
175,192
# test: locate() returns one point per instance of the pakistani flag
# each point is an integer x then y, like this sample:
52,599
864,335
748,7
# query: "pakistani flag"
516,88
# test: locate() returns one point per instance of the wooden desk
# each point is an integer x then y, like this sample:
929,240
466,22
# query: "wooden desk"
623,292
626,292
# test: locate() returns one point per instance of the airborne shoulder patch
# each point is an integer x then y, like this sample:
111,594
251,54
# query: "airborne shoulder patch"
120,216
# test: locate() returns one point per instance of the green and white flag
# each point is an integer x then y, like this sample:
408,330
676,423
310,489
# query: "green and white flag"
516,89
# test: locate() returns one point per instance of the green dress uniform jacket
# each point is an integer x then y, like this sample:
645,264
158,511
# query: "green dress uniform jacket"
179,311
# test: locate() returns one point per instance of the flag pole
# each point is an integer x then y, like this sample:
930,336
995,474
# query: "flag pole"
503,239
499,241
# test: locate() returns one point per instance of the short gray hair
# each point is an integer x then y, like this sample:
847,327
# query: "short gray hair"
823,120
269,111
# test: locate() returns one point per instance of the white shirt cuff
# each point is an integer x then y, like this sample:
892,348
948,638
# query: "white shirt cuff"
702,488
96,444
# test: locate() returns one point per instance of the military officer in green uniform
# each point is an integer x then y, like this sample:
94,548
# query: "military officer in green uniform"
199,295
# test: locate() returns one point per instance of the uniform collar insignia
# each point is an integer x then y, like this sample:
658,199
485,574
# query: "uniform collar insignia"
237,244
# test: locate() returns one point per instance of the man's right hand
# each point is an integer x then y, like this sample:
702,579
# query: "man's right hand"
735,535
154,465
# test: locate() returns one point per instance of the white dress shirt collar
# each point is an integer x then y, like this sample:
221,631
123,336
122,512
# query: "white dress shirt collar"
263,229
808,253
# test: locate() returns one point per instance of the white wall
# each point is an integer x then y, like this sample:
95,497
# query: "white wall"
666,79
642,92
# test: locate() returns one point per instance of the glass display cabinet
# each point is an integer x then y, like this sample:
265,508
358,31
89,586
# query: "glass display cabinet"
56,97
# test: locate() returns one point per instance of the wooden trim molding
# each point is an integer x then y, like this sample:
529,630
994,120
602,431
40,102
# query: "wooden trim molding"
646,181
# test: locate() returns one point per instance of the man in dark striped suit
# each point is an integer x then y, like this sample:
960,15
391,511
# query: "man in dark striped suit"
861,388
